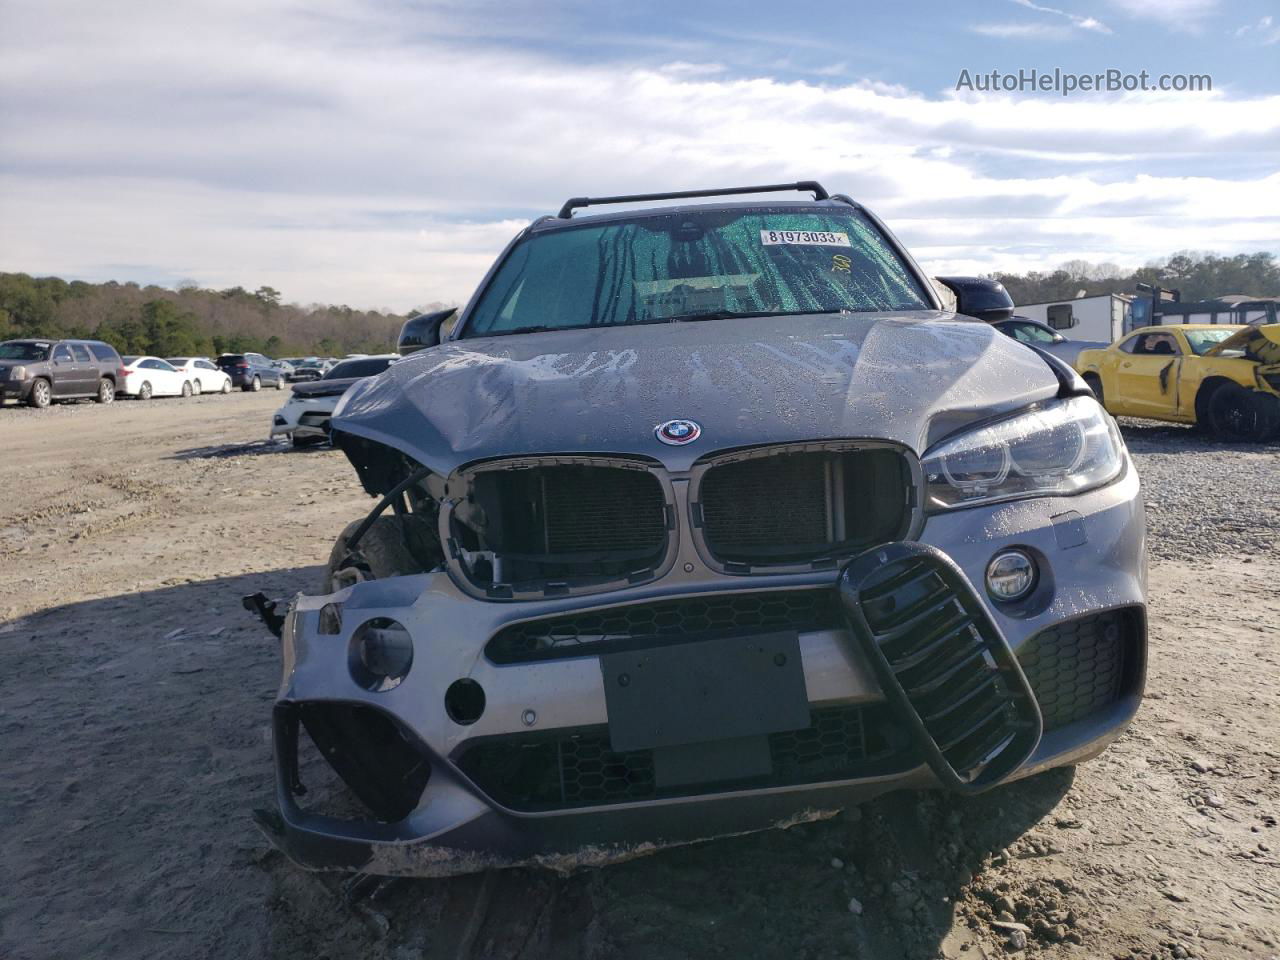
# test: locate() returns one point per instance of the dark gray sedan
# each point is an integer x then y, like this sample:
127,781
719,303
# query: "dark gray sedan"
1042,335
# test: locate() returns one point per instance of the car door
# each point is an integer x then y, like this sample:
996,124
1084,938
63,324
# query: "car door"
63,375
86,370
210,377
1147,375
173,380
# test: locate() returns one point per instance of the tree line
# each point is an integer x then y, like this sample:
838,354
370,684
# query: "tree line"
1197,276
189,321
196,321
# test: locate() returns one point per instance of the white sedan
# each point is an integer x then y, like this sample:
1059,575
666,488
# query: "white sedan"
305,418
147,377
204,374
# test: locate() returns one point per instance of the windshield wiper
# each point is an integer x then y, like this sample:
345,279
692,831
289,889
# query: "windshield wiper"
742,314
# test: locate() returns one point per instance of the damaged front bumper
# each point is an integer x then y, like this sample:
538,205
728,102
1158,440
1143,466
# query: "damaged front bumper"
552,767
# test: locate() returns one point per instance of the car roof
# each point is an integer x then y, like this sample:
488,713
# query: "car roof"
551,224
1165,327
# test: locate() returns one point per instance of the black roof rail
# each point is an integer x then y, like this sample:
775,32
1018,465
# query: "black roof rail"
804,186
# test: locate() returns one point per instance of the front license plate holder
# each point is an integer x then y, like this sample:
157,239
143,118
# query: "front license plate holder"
719,689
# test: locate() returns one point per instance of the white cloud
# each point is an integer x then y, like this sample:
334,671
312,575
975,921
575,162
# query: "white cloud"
1176,14
1022,31
342,163
1083,23
1265,32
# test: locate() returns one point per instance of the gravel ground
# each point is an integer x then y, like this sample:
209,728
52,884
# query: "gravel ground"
1205,497
134,698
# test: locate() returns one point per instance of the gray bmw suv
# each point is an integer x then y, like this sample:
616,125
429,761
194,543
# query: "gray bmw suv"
703,519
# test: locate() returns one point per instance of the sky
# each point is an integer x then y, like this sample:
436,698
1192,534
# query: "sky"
381,153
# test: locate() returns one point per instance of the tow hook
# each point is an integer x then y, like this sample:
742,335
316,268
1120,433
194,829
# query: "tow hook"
266,610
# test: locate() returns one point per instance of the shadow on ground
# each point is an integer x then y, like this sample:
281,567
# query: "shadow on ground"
134,740
252,449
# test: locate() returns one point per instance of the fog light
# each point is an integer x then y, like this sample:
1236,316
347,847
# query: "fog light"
1011,575
380,655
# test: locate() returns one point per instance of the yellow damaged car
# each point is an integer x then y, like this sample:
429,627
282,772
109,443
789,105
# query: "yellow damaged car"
1225,378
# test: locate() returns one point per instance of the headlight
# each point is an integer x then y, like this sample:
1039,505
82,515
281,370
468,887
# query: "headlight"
1065,447
17,373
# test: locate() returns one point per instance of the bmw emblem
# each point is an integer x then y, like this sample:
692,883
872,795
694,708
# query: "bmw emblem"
678,432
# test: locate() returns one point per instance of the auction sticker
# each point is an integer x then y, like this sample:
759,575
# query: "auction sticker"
809,237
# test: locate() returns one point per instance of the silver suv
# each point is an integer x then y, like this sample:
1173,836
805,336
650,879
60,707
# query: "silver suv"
704,519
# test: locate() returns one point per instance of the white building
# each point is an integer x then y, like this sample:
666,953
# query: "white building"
1103,318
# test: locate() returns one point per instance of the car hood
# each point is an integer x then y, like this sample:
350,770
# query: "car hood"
1261,343
325,388
910,378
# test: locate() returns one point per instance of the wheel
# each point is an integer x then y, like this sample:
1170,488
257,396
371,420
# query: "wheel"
1095,384
279,383
186,388
144,392
195,387
226,385
386,550
106,391
41,396
1237,415
256,385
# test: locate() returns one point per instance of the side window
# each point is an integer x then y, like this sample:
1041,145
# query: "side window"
104,353
1128,345
61,353
1156,344
162,365
81,353
205,365
151,364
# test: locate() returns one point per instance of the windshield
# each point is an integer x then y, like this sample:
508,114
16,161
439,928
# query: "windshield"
370,367
1030,333
24,351
1204,340
754,261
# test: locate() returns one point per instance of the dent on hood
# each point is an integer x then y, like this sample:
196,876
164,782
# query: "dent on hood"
905,378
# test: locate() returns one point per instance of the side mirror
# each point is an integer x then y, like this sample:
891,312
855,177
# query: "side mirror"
422,331
980,298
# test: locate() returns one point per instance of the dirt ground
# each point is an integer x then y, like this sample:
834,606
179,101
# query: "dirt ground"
134,699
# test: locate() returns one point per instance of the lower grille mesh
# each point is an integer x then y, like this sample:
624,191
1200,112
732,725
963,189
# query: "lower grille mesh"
1077,668
602,631
578,768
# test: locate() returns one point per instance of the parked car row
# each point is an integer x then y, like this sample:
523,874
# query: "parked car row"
39,372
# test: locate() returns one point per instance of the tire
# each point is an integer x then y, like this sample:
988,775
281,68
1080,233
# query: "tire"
1095,384
301,443
256,385
196,388
106,391
144,392
279,383
384,551
186,388
1237,415
41,395
226,386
